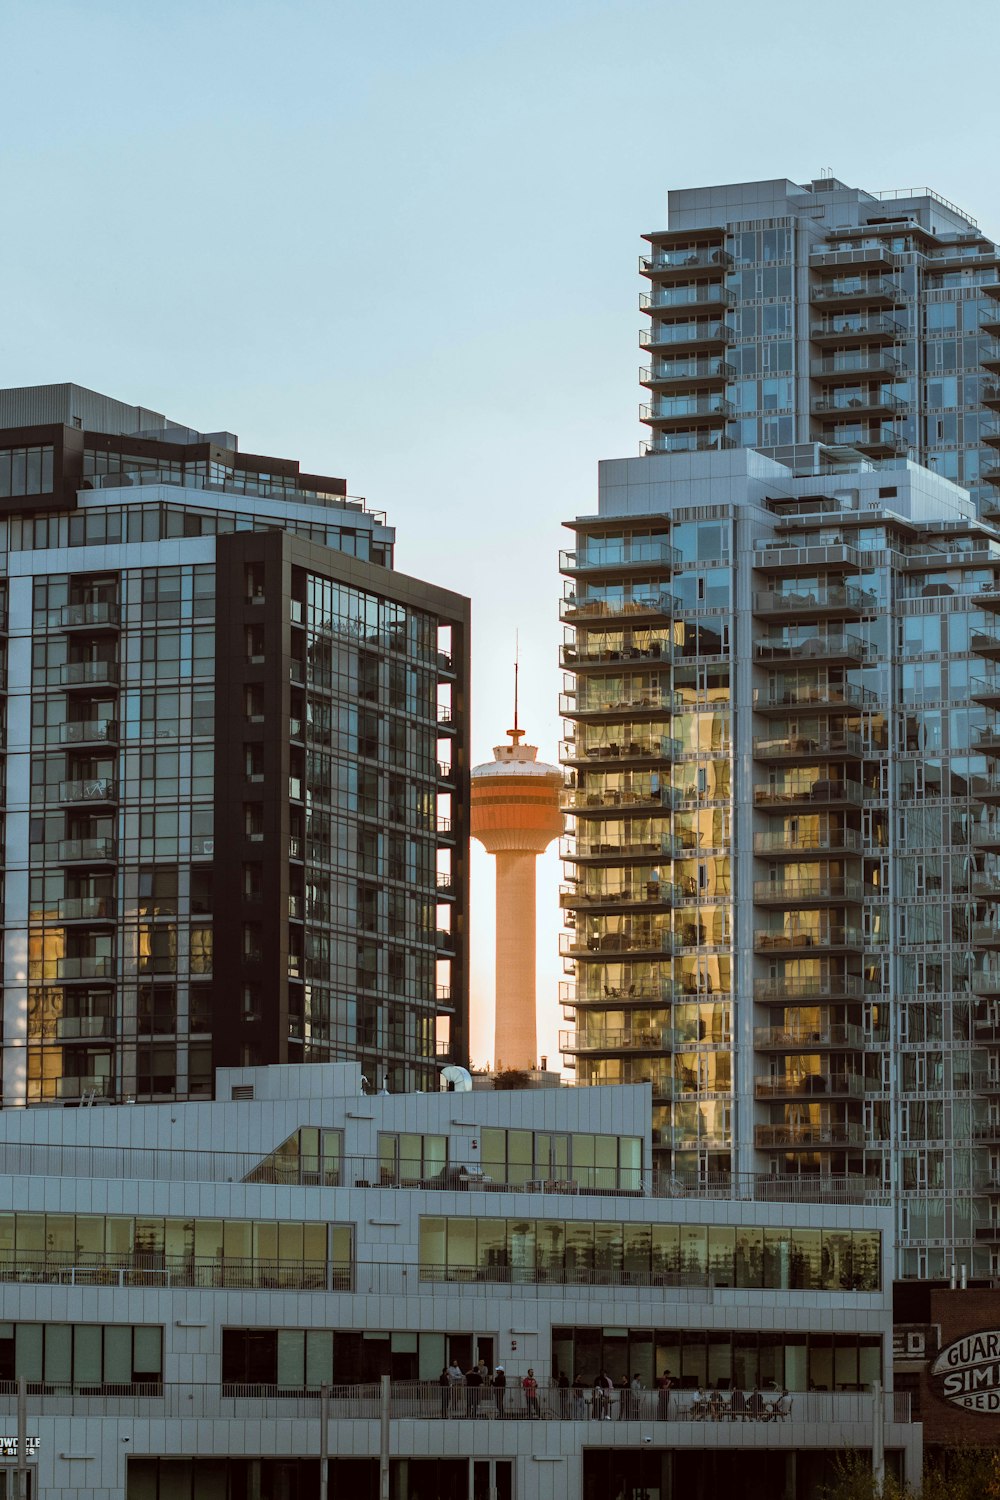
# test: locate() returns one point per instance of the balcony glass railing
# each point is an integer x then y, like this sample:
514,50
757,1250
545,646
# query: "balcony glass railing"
86,849
813,647
807,989
669,298
832,840
89,789
789,1136
813,695
831,597
689,442
645,1039
856,289
824,791
777,939
804,1038
85,908
836,742
809,1085
835,888
687,406
693,258
620,555
651,603
84,731
687,370
859,361
697,331
80,673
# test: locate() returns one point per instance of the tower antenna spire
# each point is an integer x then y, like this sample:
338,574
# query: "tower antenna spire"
516,734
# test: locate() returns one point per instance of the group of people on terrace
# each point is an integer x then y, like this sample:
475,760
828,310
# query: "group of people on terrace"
480,1392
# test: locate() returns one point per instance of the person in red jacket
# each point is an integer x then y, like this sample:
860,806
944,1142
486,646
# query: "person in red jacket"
530,1387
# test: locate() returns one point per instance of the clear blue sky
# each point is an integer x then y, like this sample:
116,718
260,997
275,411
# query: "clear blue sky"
398,240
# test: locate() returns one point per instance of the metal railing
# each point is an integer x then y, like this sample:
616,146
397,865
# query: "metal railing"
425,1400
23,1159
167,1271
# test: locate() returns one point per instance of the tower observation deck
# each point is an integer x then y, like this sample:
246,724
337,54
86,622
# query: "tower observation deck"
515,816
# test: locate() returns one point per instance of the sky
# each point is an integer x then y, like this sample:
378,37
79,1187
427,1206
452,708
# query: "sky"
399,242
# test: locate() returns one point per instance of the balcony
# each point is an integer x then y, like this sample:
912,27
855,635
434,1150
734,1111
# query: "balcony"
87,851
872,329
845,648
680,409
664,264
642,701
685,372
836,599
856,362
97,615
825,792
645,554
89,966
73,674
859,403
987,741
806,892
646,894
858,291
834,938
83,1028
872,253
985,935
97,1086
835,744
86,909
986,887
595,803
653,848
687,442
655,749
809,1086
629,1039
806,845
805,1039
818,697
876,442
609,944
788,1137
653,607
807,990
573,659
679,299
986,837
827,555
985,690
985,643
88,732
985,788
700,333
90,789
987,984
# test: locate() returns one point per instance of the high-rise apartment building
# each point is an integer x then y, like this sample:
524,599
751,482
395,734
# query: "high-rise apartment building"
783,314
780,714
782,890
236,761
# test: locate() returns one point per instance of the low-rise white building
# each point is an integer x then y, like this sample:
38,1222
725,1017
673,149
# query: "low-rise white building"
186,1289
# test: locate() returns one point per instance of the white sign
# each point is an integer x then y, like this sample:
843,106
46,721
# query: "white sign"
967,1372
8,1446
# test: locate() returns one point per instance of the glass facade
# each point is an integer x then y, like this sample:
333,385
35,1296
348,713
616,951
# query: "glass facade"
835,322
598,1252
184,658
820,883
698,1358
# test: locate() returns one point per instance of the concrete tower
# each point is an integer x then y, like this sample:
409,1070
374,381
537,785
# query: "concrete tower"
515,816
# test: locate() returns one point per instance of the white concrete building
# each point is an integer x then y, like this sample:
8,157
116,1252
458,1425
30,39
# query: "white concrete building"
179,1285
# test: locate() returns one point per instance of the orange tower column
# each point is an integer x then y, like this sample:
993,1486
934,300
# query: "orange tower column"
515,816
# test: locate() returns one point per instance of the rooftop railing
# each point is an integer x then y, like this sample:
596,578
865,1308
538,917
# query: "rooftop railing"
144,1164
425,1400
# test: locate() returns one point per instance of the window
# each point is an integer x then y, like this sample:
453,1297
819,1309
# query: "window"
579,1160
578,1252
86,1357
410,1159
